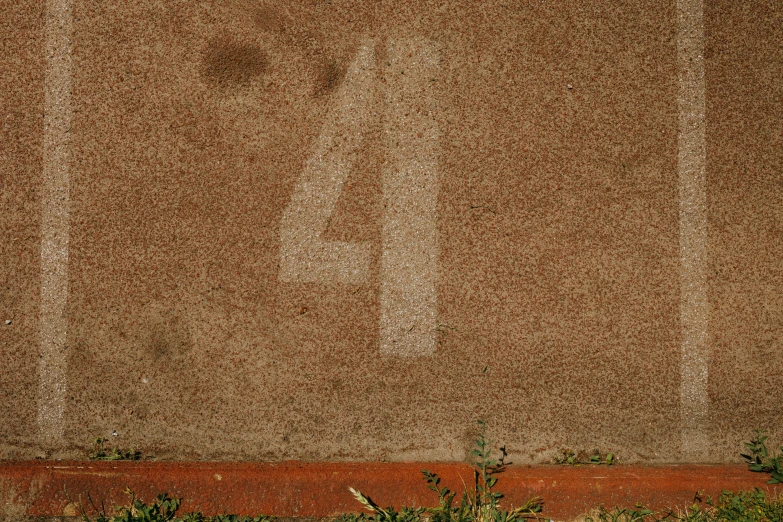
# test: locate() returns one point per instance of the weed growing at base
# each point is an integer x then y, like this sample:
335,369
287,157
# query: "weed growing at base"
752,506
163,509
480,505
100,452
760,460
572,458
483,504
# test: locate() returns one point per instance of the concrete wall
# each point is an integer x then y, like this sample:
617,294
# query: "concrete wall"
347,230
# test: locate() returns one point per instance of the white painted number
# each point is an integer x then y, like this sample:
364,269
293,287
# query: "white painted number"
304,256
409,235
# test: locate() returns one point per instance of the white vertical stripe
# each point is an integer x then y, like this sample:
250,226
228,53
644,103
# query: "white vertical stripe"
55,219
694,311
410,190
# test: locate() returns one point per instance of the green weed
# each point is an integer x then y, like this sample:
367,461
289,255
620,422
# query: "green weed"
198,517
572,458
100,452
752,506
760,460
638,514
162,509
480,505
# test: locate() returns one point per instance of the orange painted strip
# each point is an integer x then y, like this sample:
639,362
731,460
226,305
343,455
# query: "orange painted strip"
296,489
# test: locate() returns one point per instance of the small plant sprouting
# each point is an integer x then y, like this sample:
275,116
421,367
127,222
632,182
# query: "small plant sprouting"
480,505
198,517
162,509
100,452
751,506
637,514
570,457
759,459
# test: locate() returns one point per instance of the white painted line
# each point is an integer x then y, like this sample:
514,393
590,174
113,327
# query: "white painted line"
410,192
694,307
304,255
55,220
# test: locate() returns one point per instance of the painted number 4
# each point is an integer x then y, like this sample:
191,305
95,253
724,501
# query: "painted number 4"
409,182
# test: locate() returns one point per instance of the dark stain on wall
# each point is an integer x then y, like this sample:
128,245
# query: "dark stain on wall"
169,337
326,59
230,64
329,77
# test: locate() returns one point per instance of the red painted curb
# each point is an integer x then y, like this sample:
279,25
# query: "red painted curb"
296,489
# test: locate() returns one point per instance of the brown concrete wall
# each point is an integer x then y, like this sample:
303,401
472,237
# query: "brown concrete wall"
745,179
21,129
542,203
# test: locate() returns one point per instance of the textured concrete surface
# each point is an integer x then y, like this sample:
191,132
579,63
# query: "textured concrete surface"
21,155
745,177
552,133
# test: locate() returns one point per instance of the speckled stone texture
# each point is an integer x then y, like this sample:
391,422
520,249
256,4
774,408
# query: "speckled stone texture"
744,66
21,154
558,264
